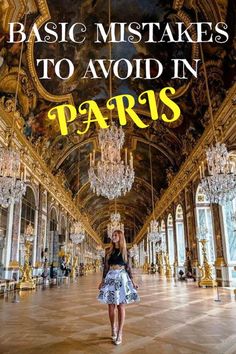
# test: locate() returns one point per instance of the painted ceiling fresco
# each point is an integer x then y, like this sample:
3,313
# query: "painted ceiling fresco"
170,143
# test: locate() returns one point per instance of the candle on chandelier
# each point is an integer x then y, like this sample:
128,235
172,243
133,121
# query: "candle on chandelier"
90,159
131,160
126,156
203,172
24,174
200,170
94,156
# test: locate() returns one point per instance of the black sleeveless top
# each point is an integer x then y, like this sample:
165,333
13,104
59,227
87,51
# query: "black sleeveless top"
117,259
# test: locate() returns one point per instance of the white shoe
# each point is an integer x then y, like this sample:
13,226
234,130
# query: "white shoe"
114,334
118,340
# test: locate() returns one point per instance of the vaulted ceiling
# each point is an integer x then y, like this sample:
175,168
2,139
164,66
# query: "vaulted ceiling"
68,156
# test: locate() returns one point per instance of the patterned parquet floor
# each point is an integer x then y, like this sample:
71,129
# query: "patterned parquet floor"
172,318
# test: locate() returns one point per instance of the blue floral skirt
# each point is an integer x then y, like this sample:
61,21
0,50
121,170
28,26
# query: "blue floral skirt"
117,288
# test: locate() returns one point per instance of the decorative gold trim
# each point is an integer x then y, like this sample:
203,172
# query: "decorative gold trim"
13,264
43,18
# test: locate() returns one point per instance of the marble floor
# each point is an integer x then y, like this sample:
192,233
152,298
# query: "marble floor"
172,318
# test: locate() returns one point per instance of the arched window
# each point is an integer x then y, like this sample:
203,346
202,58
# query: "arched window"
28,210
163,235
229,223
3,231
54,237
62,236
53,220
204,220
180,235
27,217
171,244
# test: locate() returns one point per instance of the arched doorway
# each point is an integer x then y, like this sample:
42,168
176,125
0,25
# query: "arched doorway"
163,236
28,213
205,220
171,244
180,235
62,235
53,237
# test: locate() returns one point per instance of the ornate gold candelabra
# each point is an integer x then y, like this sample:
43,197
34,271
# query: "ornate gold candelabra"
168,267
146,265
27,282
160,263
206,270
74,266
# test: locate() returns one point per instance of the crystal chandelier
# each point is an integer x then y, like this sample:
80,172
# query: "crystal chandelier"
114,224
160,247
219,185
153,231
233,217
100,252
134,251
29,232
12,185
202,233
111,177
78,233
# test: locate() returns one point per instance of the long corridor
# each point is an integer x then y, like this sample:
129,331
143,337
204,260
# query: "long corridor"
172,317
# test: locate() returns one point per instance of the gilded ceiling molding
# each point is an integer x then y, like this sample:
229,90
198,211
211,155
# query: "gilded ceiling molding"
103,226
93,140
183,17
11,11
106,211
214,10
40,21
69,150
225,123
83,202
42,173
156,146
178,4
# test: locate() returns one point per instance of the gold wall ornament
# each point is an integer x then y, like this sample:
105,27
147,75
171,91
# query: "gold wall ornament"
220,262
38,264
14,264
26,95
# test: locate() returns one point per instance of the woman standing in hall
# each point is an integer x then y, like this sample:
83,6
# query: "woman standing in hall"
117,286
